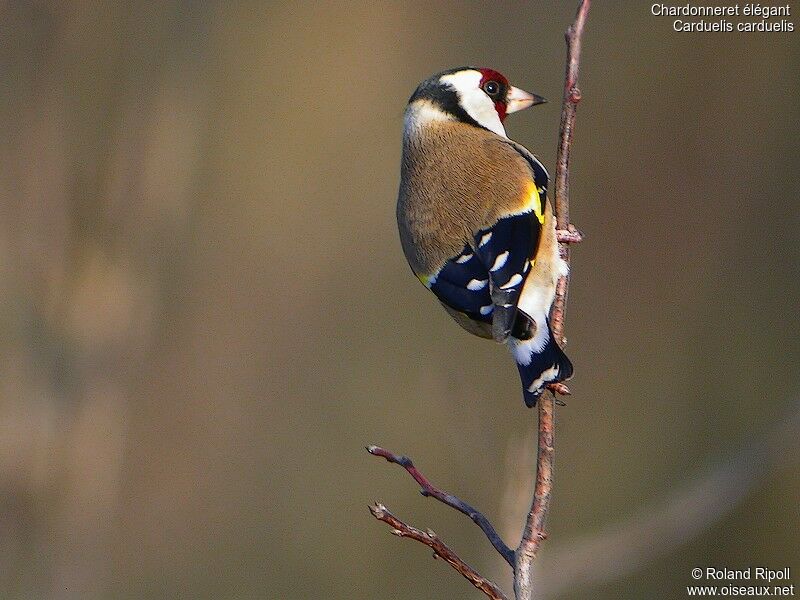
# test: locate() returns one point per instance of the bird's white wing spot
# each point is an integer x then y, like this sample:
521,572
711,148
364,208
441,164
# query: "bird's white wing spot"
500,261
485,310
547,375
485,239
477,284
515,280
462,259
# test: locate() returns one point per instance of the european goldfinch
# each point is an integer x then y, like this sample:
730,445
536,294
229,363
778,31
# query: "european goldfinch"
474,220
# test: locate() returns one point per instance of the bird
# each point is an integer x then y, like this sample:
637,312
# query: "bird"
474,221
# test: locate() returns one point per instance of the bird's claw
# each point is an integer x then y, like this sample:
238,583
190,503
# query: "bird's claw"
559,389
570,235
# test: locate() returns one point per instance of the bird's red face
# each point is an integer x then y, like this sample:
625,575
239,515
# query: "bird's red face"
496,86
506,98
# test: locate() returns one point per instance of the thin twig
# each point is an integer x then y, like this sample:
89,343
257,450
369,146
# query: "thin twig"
572,95
533,533
428,489
440,549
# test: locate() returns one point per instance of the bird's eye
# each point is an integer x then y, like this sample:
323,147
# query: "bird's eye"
491,87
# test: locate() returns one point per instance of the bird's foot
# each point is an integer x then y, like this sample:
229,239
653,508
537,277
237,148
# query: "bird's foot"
570,235
559,389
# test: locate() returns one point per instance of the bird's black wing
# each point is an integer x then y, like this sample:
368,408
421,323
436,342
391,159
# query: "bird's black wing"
462,285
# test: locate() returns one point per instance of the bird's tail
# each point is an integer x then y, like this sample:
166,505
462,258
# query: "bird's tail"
539,365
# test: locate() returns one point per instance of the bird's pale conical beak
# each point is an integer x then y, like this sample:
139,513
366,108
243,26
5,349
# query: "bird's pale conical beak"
518,99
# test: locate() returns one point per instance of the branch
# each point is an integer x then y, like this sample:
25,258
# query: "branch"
428,489
533,533
572,95
440,549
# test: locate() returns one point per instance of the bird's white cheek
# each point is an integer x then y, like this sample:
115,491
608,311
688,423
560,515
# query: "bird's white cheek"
481,108
474,100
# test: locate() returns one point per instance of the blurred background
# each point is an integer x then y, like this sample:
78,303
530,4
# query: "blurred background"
206,314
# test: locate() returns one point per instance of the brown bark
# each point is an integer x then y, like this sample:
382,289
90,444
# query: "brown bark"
534,532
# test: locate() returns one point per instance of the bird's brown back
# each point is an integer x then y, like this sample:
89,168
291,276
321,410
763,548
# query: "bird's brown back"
455,179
